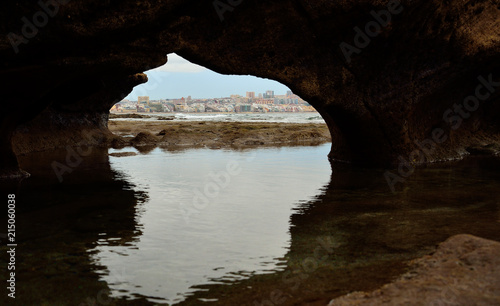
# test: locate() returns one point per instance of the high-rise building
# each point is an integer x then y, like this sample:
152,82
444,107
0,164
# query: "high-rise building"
289,93
269,94
251,94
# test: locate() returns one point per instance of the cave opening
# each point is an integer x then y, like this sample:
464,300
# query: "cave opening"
184,105
265,163
86,236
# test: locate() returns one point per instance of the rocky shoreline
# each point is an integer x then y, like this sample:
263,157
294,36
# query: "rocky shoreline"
216,134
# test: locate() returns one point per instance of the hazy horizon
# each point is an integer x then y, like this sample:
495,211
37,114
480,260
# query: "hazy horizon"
180,78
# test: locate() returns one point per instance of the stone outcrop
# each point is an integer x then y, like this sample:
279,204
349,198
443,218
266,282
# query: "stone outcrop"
383,74
465,270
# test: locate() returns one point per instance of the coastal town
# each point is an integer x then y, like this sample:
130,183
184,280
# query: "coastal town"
260,103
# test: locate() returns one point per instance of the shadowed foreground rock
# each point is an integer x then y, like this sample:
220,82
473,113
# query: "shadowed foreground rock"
465,270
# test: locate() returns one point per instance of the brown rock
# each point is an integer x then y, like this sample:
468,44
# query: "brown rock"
465,270
123,154
118,143
144,138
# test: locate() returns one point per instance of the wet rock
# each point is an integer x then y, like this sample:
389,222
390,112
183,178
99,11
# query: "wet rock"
491,149
162,133
123,154
166,118
119,142
144,138
465,270
127,116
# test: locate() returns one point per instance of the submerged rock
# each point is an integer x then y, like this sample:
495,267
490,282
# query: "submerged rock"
465,270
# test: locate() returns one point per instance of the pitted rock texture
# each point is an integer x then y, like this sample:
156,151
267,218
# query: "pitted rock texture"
380,102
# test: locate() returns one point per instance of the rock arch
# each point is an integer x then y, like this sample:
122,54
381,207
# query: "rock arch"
381,96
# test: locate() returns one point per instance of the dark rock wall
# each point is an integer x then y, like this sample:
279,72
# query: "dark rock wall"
393,90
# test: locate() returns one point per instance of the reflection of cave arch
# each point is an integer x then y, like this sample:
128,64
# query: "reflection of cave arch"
104,208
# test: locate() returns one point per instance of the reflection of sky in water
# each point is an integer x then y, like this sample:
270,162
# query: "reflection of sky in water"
244,229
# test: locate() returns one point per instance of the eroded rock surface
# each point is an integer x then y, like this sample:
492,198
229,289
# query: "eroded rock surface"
383,94
465,270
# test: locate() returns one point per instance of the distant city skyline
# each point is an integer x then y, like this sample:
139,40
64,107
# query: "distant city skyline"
181,78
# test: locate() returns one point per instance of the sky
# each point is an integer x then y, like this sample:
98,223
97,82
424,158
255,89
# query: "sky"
180,78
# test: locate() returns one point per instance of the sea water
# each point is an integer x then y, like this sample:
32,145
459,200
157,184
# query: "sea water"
233,226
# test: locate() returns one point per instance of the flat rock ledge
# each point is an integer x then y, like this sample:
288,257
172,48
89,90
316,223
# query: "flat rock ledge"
465,270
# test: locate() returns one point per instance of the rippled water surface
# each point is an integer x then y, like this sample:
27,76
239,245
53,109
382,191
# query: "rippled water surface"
211,216
233,227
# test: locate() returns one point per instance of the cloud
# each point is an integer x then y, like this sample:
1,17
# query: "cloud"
178,64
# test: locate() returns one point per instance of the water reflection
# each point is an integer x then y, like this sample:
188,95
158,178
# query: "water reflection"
213,216
371,233
58,225
286,229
